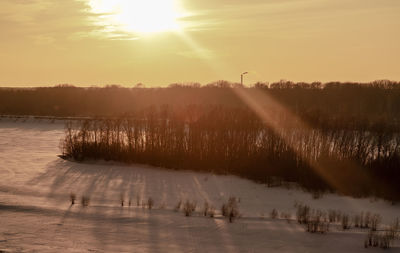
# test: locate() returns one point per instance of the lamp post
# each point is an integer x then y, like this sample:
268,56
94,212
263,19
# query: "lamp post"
241,77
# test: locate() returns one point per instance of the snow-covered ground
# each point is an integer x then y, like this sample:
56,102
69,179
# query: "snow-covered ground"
36,215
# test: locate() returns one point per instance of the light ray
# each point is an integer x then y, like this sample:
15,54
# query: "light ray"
218,67
269,110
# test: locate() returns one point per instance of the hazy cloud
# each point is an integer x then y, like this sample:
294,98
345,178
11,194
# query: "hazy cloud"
256,15
292,39
45,21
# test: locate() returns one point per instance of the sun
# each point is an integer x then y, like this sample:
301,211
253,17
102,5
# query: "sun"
139,16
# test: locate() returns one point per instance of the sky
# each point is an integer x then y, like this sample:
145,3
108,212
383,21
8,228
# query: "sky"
159,42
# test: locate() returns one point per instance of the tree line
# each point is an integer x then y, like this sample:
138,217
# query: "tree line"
345,155
378,100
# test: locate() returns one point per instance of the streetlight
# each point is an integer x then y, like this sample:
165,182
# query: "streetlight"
241,77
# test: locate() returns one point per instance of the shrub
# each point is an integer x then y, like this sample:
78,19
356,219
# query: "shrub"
72,197
375,239
386,240
393,231
345,222
206,208
150,203
356,220
122,200
396,227
274,214
317,222
332,214
365,220
303,213
85,201
231,209
189,208
375,220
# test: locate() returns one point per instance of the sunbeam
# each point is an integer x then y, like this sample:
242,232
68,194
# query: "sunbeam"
269,111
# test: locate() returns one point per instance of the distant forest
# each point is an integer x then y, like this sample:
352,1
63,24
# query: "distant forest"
339,137
379,100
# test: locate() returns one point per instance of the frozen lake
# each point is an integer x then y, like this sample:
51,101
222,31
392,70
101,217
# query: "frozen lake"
36,215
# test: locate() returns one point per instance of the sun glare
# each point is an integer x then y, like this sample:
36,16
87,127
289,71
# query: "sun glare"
139,16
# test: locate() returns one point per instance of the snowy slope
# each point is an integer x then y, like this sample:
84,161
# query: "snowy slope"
36,215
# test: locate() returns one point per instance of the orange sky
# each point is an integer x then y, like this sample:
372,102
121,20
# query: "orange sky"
84,42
